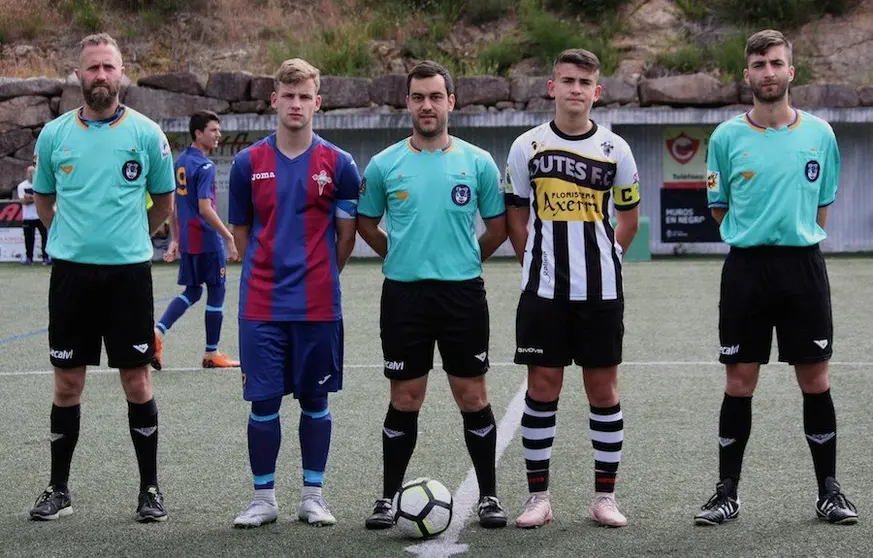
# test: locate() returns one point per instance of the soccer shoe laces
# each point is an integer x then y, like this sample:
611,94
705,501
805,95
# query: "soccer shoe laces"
837,500
489,503
718,500
607,501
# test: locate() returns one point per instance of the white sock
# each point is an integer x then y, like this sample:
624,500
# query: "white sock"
267,495
311,492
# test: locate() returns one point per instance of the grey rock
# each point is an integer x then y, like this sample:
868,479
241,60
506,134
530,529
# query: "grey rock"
24,112
156,103
14,140
11,173
690,90
389,90
228,86
481,90
261,88
45,87
524,88
178,82
344,92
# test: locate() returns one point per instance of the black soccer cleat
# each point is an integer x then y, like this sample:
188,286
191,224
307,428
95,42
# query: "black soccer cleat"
491,513
834,507
723,506
151,506
382,516
52,504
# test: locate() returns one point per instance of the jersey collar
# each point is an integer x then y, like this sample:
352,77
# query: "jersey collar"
113,120
416,149
570,137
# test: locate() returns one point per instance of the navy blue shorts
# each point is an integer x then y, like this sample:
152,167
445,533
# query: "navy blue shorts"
197,269
281,358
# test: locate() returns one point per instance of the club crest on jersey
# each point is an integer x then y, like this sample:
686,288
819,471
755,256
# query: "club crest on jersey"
323,180
131,170
607,148
461,194
812,170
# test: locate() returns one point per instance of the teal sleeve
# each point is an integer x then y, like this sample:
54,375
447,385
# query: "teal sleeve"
491,202
160,179
717,173
44,176
372,200
830,182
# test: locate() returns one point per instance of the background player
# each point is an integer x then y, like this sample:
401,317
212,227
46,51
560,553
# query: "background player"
572,304
293,201
30,220
98,161
771,175
198,239
430,187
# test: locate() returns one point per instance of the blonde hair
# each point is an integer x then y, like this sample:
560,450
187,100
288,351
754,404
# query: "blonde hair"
98,39
296,70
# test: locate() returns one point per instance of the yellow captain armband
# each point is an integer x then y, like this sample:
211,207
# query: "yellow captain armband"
627,197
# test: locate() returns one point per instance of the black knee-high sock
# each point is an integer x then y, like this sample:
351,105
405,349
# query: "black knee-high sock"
64,435
734,428
820,426
480,433
399,434
143,419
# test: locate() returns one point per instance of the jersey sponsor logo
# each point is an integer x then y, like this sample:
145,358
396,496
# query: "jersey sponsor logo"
263,176
558,200
812,170
728,351
573,168
181,181
131,170
394,365
461,194
61,354
165,148
323,180
712,181
683,148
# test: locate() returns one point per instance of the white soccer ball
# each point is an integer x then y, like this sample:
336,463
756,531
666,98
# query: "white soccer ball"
423,508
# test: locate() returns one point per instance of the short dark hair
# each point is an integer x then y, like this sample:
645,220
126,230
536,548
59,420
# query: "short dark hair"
201,119
428,68
762,41
579,57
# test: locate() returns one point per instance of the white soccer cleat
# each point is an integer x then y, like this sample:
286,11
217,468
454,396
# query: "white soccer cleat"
313,510
258,513
604,510
537,512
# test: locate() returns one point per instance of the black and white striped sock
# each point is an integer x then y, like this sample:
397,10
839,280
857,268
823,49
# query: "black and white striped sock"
607,436
537,436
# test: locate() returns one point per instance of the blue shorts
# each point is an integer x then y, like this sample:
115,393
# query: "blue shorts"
300,358
196,269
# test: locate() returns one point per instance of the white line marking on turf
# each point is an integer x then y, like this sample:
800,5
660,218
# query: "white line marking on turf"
466,495
436,365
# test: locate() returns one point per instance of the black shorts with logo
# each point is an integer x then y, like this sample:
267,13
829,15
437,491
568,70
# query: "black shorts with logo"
774,286
90,304
556,333
415,316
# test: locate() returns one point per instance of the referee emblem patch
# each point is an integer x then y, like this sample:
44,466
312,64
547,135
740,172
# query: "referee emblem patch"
131,170
812,170
461,194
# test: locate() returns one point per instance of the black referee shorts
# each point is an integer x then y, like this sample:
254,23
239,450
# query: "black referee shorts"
90,304
415,316
769,287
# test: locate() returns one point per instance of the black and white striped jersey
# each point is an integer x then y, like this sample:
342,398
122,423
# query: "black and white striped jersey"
568,181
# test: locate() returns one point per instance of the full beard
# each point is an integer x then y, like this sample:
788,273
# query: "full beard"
100,97
436,131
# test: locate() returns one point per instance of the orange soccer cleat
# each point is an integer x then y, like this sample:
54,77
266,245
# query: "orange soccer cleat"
219,360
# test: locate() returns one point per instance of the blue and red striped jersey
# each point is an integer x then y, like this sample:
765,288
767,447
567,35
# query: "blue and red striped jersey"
290,268
195,181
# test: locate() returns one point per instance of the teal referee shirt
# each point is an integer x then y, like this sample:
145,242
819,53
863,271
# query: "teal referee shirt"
772,182
100,173
430,200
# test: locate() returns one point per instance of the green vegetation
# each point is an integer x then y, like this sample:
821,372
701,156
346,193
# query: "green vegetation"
84,13
160,6
727,56
343,50
695,10
783,14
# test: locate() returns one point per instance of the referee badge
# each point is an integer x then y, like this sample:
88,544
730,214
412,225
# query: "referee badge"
461,194
812,170
131,170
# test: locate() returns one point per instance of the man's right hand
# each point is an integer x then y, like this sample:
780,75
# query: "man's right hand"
172,251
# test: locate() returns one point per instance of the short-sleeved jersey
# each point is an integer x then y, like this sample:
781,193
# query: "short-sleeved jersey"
772,182
568,181
195,181
430,200
101,172
290,270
